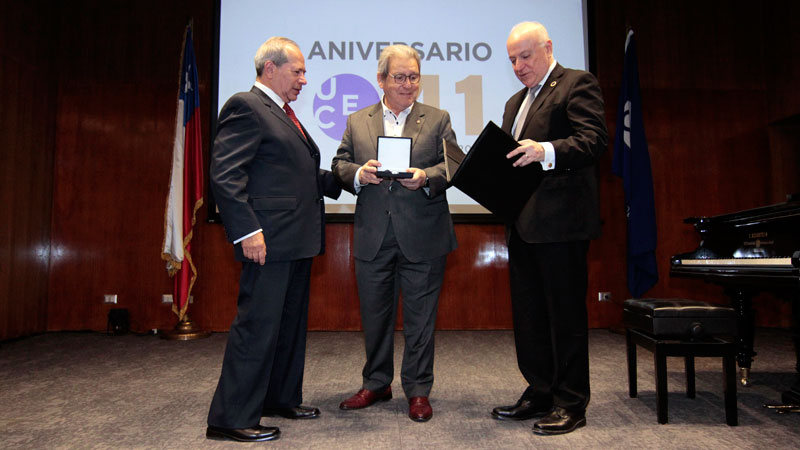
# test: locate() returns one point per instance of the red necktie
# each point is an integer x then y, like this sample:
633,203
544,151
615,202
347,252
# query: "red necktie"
290,113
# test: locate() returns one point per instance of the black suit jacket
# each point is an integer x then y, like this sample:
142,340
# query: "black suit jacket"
568,112
265,174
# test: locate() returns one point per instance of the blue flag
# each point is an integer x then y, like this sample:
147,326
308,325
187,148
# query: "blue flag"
632,163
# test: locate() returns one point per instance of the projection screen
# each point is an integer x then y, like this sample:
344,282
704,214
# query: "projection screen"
461,43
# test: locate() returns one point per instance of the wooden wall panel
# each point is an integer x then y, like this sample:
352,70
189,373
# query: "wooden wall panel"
334,295
118,69
706,87
27,112
706,109
475,294
782,45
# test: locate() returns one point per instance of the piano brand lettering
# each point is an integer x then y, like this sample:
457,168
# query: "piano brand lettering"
758,243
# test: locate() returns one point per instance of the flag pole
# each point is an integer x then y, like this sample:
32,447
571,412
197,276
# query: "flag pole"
185,195
185,330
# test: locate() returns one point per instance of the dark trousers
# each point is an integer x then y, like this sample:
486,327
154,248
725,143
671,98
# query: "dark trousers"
548,298
378,282
265,354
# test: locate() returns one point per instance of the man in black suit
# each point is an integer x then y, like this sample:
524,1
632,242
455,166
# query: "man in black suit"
267,182
558,119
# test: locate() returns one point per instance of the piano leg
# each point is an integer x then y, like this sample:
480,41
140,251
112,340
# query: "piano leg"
792,396
741,301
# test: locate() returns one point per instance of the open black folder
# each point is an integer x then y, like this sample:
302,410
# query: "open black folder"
488,177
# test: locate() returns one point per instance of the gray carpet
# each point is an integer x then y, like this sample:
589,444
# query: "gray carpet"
89,390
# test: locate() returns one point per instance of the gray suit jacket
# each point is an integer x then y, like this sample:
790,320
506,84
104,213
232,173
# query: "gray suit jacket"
421,221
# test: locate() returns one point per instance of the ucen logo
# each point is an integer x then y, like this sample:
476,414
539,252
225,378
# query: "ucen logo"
338,97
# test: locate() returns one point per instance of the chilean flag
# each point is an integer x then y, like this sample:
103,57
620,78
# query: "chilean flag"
186,183
632,163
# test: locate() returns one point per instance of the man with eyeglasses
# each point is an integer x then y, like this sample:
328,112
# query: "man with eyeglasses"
402,232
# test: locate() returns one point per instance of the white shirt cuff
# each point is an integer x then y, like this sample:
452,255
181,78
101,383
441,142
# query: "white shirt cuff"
549,162
356,184
247,236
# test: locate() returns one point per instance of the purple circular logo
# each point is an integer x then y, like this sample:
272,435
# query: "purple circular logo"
338,97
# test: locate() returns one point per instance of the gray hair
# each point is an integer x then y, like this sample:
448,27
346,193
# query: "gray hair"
274,49
399,50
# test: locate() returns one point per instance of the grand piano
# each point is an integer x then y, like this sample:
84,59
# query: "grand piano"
749,252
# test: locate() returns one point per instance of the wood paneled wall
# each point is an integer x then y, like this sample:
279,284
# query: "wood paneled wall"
708,73
714,88
119,65
27,114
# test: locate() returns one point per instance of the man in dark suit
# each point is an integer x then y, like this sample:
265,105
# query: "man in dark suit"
402,233
559,122
267,182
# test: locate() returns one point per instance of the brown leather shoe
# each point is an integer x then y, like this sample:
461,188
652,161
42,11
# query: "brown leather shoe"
419,409
364,398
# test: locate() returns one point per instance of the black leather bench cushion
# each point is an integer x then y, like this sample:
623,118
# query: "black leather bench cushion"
678,317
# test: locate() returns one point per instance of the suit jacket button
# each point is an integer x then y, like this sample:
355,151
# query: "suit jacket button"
388,213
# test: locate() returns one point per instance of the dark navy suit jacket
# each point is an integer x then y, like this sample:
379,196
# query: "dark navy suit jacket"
265,174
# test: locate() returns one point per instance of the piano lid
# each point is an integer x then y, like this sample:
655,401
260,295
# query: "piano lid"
789,208
766,232
757,246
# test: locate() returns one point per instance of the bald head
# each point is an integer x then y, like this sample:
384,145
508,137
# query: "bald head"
530,30
530,51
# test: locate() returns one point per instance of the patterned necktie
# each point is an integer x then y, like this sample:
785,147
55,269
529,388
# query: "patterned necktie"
290,113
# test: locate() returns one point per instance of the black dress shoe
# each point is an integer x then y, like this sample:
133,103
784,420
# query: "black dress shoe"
254,434
559,421
522,410
298,412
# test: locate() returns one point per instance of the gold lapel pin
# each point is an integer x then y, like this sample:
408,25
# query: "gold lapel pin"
553,84
418,121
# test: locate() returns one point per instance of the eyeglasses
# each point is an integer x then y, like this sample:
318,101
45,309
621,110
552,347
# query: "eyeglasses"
401,78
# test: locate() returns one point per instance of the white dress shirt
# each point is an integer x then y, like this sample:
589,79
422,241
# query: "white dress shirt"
393,125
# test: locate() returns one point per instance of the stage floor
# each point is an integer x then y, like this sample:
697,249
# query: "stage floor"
90,390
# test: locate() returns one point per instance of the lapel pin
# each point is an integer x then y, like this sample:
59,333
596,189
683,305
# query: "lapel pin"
553,84
418,121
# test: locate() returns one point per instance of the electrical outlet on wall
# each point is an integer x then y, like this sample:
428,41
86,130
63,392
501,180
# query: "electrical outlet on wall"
167,298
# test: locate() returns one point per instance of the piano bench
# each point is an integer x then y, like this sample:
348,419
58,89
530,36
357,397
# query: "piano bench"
678,327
